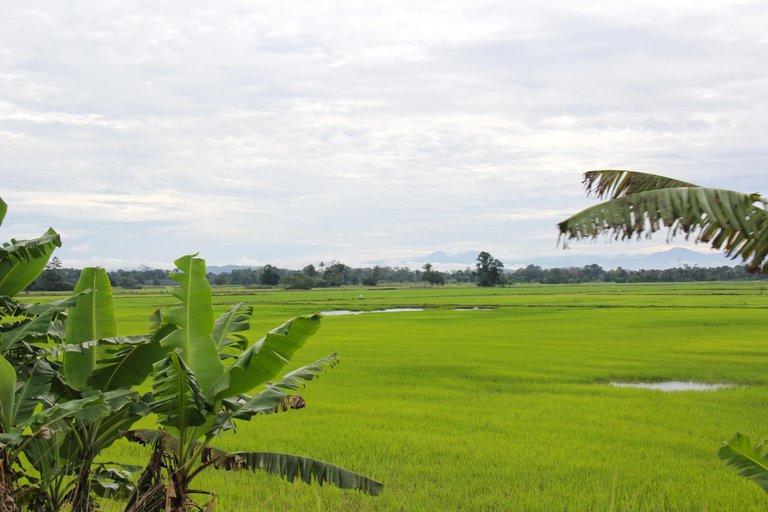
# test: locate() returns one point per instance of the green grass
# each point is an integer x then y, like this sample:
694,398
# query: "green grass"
509,409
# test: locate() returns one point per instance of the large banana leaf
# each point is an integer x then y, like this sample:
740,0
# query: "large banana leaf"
263,360
272,399
89,408
194,319
126,361
749,461
178,399
32,386
126,407
225,329
7,393
92,318
38,324
3,210
724,219
616,183
21,261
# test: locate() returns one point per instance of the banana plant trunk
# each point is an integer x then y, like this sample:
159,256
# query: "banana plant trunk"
7,501
81,494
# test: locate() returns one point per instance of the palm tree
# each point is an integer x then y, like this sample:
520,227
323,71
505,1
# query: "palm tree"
640,204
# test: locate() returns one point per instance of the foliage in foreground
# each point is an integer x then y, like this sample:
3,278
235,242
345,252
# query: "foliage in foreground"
642,203
67,390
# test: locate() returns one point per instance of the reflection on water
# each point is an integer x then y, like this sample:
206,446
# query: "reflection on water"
473,309
673,386
341,312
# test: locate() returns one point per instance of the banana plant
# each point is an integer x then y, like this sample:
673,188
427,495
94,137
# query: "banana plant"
196,396
43,435
95,359
21,261
641,204
750,461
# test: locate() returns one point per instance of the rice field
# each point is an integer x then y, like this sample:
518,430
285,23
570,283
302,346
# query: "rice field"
509,406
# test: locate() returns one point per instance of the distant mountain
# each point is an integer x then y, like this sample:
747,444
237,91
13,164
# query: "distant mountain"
228,268
675,257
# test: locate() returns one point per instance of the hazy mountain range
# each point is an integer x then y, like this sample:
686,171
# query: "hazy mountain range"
675,257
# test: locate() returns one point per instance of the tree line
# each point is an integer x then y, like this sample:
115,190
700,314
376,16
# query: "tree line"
488,271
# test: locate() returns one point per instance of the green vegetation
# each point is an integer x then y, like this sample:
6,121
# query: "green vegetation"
489,270
641,203
66,391
507,409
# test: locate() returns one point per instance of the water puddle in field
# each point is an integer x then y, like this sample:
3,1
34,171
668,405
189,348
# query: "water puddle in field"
342,312
473,309
673,385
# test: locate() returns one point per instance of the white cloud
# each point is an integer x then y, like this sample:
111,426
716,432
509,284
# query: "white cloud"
287,132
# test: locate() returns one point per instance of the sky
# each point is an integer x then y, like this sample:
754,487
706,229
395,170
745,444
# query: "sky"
365,132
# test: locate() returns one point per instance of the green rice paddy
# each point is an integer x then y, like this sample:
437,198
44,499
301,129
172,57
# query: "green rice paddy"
509,408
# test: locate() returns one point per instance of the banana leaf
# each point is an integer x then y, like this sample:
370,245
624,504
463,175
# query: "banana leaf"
92,318
177,398
21,261
264,359
38,324
225,329
748,460
194,320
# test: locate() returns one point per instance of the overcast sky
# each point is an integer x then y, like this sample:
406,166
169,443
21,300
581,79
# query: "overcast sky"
294,132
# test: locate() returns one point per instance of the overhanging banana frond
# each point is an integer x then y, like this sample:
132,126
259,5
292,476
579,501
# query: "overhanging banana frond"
749,461
3,211
724,219
283,465
291,467
617,183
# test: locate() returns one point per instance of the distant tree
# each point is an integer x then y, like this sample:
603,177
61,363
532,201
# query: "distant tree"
432,276
310,271
54,278
372,278
462,276
269,276
54,264
337,274
298,281
489,270
592,272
